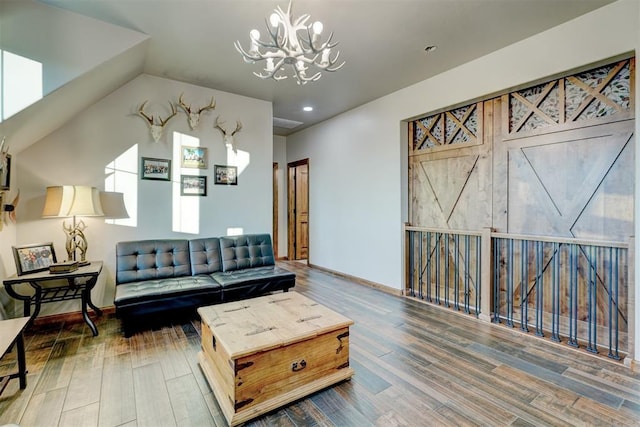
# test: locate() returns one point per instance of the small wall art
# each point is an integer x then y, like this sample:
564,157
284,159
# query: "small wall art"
193,185
194,157
157,169
226,175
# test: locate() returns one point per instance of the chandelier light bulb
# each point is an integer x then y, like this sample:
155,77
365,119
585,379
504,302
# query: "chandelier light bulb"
254,35
317,27
325,56
274,20
269,64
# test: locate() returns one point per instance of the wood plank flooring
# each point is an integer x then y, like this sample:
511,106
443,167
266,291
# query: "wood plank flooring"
415,365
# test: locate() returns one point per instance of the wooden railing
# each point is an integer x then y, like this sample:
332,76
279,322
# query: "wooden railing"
570,290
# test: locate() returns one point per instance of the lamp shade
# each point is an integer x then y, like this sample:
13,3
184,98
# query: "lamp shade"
72,200
113,205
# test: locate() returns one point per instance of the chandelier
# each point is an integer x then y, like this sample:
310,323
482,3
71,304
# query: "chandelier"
291,44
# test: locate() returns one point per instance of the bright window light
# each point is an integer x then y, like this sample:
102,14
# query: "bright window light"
235,231
21,83
186,209
238,158
121,175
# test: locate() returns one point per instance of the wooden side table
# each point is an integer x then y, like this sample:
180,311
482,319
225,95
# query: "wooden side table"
79,285
10,334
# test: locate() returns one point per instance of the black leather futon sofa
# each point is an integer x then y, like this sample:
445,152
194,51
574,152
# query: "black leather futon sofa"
161,276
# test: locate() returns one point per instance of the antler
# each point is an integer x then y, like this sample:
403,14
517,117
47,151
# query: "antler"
173,113
142,114
238,127
187,108
219,125
151,119
211,106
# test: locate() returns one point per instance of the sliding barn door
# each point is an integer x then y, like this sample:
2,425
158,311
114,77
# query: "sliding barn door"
450,170
564,161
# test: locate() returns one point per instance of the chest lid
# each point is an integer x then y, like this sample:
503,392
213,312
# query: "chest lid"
268,322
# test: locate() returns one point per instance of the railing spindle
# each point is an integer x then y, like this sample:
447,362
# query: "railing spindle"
555,294
456,271
539,289
447,257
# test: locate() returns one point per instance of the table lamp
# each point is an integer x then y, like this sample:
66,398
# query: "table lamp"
113,205
72,201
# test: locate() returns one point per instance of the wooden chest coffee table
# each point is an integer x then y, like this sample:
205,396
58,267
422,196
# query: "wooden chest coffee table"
262,353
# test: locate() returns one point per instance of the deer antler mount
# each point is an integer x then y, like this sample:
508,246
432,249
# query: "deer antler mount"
194,113
228,135
156,127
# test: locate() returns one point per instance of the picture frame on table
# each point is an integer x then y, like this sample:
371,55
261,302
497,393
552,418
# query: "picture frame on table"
193,157
225,175
155,169
193,185
34,257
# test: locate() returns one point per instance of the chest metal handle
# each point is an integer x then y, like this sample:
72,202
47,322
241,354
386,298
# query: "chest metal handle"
298,366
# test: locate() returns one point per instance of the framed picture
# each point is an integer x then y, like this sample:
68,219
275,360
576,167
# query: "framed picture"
5,174
194,157
193,185
226,175
32,258
158,169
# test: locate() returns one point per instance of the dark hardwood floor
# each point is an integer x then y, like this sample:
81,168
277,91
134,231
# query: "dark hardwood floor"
415,365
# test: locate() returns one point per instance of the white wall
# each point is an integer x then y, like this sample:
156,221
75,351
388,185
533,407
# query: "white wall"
78,152
280,157
358,178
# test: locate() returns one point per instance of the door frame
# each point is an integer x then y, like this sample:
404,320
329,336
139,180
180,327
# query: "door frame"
275,209
291,199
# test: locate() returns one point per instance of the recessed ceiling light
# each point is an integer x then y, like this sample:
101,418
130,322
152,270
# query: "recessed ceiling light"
430,48
307,108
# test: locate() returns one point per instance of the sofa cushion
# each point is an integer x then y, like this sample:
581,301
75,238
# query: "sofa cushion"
152,259
168,288
205,255
246,251
251,282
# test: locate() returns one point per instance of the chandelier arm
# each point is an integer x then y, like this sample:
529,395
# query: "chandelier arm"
274,37
330,65
306,60
271,74
249,58
245,55
301,21
334,68
304,80
310,48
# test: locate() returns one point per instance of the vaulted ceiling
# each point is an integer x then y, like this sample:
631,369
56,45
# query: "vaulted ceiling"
382,41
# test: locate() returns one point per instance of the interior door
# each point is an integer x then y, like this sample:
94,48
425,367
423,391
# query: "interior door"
299,209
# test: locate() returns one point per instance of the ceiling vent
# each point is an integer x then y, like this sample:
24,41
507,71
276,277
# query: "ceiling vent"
286,124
